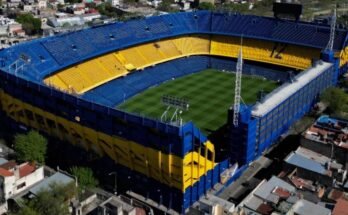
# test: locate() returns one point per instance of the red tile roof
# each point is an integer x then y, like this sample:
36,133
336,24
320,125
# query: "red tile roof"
5,172
264,209
18,30
335,194
301,183
341,207
9,165
26,170
281,192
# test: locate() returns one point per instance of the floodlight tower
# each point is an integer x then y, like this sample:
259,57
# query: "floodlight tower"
237,88
19,64
179,105
330,45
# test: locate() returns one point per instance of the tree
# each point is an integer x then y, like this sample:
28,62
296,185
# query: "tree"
66,25
30,24
165,5
206,6
85,177
336,99
52,200
345,83
30,147
26,210
106,9
241,8
60,6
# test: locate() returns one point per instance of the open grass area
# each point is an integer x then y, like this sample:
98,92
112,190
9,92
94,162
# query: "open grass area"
210,93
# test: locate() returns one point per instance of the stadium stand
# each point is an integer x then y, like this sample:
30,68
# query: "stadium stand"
85,76
255,50
113,65
192,45
274,29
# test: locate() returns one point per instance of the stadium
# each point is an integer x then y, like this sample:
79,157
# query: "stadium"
154,94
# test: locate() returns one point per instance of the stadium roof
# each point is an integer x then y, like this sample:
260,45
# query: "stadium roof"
283,92
50,54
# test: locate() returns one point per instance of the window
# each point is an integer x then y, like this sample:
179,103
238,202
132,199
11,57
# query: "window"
20,185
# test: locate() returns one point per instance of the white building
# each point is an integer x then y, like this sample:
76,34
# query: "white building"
13,3
42,4
15,29
60,22
6,21
15,178
27,8
214,205
90,17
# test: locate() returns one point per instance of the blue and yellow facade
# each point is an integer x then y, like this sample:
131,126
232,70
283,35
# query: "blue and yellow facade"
173,165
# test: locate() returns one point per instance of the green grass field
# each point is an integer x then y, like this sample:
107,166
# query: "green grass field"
210,93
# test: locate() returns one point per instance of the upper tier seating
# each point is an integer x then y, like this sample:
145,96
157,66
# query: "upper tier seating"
267,52
65,50
300,33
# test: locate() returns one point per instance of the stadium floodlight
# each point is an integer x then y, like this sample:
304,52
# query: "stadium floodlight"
18,64
332,31
172,101
238,88
179,104
25,58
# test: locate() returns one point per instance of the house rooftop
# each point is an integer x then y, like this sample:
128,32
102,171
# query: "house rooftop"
304,207
335,194
315,162
271,196
341,207
274,189
115,202
57,177
9,168
302,184
26,169
9,165
3,160
328,130
5,172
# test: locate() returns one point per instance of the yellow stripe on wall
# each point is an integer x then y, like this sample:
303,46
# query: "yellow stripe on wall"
166,168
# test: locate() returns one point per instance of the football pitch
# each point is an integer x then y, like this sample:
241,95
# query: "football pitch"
210,93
